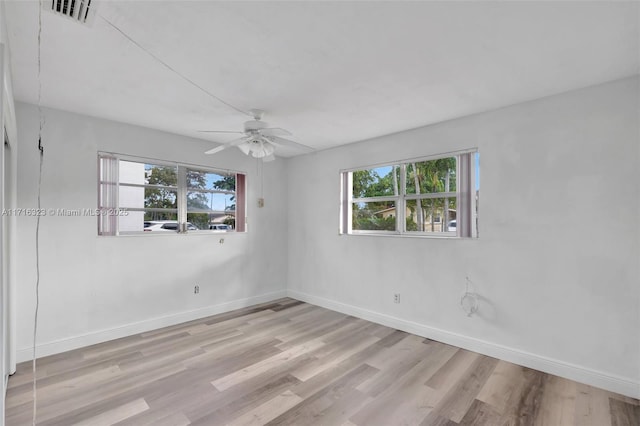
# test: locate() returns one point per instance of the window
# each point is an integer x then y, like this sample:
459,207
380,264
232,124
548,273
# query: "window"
209,195
421,197
149,196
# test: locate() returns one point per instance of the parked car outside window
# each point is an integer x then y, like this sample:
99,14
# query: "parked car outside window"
166,225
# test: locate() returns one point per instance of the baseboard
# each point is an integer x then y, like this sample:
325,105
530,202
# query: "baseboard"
567,370
4,398
75,342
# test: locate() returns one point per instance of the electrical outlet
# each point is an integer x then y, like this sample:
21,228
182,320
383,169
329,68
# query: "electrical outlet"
260,202
196,289
396,298
221,240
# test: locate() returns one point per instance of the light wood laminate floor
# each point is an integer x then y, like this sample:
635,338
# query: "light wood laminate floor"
291,363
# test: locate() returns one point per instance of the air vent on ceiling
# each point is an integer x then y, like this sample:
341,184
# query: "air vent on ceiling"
81,11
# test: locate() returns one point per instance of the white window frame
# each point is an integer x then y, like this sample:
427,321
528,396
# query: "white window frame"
108,215
465,195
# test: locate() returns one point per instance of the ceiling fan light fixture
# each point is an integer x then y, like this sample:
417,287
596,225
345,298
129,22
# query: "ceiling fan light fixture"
269,148
246,147
261,149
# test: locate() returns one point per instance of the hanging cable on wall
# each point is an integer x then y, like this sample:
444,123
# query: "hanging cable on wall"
41,160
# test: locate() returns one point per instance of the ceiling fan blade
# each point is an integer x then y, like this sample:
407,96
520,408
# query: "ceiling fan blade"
215,150
219,131
269,158
288,143
274,131
234,142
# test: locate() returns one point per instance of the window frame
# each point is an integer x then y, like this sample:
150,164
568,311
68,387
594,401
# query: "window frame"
347,200
106,213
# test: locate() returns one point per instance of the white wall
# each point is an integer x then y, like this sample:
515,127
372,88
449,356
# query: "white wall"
8,159
96,288
557,261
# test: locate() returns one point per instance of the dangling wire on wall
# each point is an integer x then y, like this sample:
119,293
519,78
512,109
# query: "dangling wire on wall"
41,159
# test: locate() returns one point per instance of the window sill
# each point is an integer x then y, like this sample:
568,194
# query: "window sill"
173,234
435,236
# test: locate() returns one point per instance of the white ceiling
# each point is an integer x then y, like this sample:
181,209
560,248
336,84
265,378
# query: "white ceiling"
330,72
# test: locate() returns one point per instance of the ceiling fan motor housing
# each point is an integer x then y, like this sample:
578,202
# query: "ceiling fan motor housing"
254,125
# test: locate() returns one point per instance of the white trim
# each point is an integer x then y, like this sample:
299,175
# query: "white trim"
160,162
375,199
410,234
556,367
412,160
75,342
428,196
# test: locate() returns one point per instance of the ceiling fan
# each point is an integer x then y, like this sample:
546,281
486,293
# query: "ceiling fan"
259,140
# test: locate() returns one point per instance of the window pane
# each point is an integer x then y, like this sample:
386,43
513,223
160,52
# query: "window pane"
211,221
130,172
206,202
428,177
133,197
145,173
430,215
139,221
451,215
161,175
130,197
199,179
160,198
378,182
375,216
